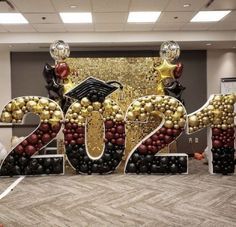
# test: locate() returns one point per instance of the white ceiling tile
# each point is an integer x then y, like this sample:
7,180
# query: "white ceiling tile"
79,27
110,5
196,26
139,27
33,6
168,26
178,5
231,17
49,27
110,17
109,27
148,5
5,8
36,18
19,28
223,4
224,26
64,5
182,17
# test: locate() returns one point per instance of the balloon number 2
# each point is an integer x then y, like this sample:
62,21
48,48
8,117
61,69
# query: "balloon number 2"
22,159
143,158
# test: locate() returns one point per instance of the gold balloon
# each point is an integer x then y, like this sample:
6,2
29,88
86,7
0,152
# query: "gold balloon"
180,109
137,104
8,107
18,114
181,122
14,105
6,117
97,105
148,107
108,108
52,106
130,116
230,120
90,108
76,107
168,113
45,115
20,101
165,70
84,112
116,108
217,121
193,121
38,108
119,117
107,102
81,119
44,102
31,105
224,127
205,120
217,113
168,124
217,98
57,114
142,117
85,101
176,116
136,111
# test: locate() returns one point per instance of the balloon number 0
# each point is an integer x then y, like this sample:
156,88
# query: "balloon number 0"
75,136
22,159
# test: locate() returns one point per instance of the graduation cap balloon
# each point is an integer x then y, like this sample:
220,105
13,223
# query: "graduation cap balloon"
94,89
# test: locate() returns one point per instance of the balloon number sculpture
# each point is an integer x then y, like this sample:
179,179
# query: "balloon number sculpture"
91,95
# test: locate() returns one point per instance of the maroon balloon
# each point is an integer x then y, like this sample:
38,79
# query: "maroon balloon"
80,140
148,141
56,128
120,129
46,138
44,127
19,149
120,141
162,130
80,130
178,70
154,137
217,143
169,132
109,124
30,150
33,139
109,135
69,137
62,70
216,131
167,139
24,143
116,135
142,149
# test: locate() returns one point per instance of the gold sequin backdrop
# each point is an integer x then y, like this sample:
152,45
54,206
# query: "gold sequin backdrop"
139,78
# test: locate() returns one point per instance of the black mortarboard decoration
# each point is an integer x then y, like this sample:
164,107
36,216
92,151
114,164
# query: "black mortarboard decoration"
93,89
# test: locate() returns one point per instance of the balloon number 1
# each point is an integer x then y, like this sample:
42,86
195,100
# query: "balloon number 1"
22,159
143,158
218,113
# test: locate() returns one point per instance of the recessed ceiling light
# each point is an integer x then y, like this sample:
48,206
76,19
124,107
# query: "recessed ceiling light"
234,47
209,16
12,18
208,44
143,17
76,18
73,6
186,5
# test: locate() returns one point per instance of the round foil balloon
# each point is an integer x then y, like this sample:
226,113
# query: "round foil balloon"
59,50
170,50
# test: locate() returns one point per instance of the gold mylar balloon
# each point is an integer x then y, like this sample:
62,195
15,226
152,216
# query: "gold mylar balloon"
193,121
180,110
20,101
84,112
90,108
137,104
148,107
205,120
119,117
18,114
142,117
6,117
181,122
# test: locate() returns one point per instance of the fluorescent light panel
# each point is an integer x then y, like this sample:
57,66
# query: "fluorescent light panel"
74,18
209,16
12,18
143,17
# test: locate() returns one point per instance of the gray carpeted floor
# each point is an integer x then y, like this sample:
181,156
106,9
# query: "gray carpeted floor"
196,199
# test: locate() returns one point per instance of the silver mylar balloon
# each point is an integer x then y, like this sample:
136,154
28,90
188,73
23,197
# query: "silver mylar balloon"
169,50
59,50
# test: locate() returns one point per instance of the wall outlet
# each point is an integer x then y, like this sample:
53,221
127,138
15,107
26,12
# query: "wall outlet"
196,140
190,140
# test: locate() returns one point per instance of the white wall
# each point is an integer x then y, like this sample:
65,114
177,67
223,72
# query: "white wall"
220,63
5,93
